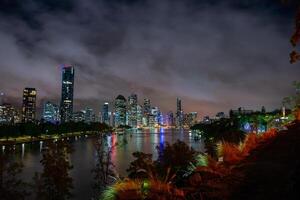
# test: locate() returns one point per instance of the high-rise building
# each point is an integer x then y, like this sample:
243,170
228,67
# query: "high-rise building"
156,114
146,112
67,92
105,114
8,114
179,114
190,119
29,105
170,119
79,116
89,115
51,112
139,116
132,110
120,111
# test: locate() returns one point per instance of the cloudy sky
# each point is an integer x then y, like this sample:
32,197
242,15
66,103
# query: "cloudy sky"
214,55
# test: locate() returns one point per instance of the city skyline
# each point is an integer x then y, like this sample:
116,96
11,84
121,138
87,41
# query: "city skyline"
159,50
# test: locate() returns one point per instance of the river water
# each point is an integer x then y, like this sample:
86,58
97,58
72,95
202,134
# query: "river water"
83,157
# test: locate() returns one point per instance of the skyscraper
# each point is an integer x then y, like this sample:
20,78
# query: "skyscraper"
105,116
67,91
120,111
8,114
179,114
139,116
29,105
146,112
89,115
132,110
51,112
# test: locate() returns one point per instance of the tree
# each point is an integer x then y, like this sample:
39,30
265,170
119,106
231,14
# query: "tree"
55,181
11,187
176,158
295,56
104,174
140,167
294,101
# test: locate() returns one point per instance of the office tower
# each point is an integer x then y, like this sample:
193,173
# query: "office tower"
67,92
29,105
190,119
120,111
155,113
139,116
132,110
8,114
170,119
51,113
105,114
89,115
179,114
146,112
79,116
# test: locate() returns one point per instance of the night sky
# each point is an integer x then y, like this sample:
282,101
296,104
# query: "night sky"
214,55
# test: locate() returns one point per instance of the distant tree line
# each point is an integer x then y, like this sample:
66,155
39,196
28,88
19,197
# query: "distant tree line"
36,130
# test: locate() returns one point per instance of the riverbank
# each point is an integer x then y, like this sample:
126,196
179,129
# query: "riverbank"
28,139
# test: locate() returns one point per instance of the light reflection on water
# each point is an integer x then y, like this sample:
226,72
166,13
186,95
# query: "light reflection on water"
83,158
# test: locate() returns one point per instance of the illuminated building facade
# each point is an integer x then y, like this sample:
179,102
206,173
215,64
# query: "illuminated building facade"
120,111
105,113
139,116
190,119
179,114
8,114
170,119
146,112
132,110
67,92
79,116
51,112
89,115
29,105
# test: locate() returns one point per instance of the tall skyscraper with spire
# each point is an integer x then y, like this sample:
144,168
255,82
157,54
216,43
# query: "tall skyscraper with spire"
67,93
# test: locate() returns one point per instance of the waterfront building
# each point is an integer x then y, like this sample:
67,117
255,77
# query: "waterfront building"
146,112
132,110
190,119
67,93
51,112
29,105
120,111
170,119
89,115
8,114
79,116
152,121
179,114
105,114
139,116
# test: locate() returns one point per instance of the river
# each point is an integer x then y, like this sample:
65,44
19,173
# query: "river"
83,157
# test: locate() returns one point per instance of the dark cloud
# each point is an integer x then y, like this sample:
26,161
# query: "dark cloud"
215,55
